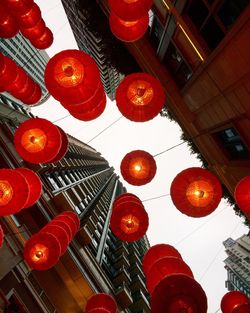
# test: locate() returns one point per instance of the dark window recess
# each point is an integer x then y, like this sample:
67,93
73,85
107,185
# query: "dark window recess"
174,61
233,144
156,33
231,10
212,33
197,11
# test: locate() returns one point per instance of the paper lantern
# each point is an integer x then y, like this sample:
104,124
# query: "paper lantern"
44,41
26,91
74,217
60,233
125,197
164,267
19,7
72,76
128,31
14,192
64,225
37,140
138,167
129,221
42,251
178,293
19,81
1,236
34,32
156,253
92,114
71,219
140,97
235,302
196,192
34,183
130,10
102,302
31,18
34,97
8,25
8,71
64,146
242,194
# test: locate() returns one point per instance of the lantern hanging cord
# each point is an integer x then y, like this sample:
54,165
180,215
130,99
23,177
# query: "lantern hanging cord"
175,146
105,129
166,195
61,118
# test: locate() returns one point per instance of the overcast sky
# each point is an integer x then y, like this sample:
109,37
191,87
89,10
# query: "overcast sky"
198,240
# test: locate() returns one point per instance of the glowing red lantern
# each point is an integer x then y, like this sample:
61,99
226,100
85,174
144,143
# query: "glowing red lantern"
129,221
178,293
1,236
8,71
196,192
130,10
44,41
26,91
63,224
8,25
140,97
242,194
60,233
164,267
34,183
92,114
19,82
126,197
74,217
138,167
101,302
37,140
42,251
19,7
34,32
72,76
34,97
156,253
64,147
71,219
14,192
128,31
235,302
31,18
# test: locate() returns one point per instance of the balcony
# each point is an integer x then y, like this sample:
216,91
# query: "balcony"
121,261
140,302
122,276
83,236
138,284
123,296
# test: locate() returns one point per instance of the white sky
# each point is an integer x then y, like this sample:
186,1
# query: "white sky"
198,240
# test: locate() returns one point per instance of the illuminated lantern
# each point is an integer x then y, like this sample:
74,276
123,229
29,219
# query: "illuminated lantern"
34,32
34,183
64,147
138,167
8,71
60,233
196,192
242,194
63,224
1,236
156,253
42,251
129,221
140,97
19,7
178,293
37,140
92,114
73,216
8,24
19,82
44,41
31,18
126,197
130,10
14,192
26,91
72,76
164,267
101,303
128,31
71,219
34,97
235,302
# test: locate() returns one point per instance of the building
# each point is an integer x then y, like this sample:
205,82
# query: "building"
199,50
32,60
93,36
237,264
96,261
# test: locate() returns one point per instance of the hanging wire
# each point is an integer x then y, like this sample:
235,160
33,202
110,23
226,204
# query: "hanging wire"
105,129
61,118
179,144
156,197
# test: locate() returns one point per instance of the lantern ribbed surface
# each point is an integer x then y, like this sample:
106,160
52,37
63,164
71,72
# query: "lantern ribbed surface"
242,194
8,24
235,302
64,146
101,302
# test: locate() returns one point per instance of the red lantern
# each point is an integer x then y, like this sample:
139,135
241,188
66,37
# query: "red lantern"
63,224
42,251
196,192
19,7
60,233
128,31
34,97
31,18
37,140
242,194
129,221
64,147
130,10
101,302
156,253
138,167
140,97
92,114
71,219
34,32
74,217
8,71
44,41
19,82
8,25
14,192
72,76
178,293
1,236
125,197
26,91
235,302
34,183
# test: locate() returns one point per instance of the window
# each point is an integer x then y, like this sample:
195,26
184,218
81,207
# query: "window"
156,32
233,144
